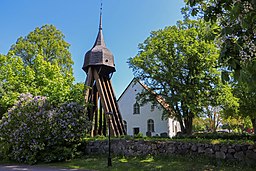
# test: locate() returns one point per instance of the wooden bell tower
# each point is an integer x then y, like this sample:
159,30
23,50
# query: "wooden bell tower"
99,67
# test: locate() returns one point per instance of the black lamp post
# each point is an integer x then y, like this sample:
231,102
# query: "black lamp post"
109,145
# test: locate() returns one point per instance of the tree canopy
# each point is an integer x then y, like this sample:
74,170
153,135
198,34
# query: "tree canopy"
46,41
247,99
238,29
40,64
237,21
42,78
180,64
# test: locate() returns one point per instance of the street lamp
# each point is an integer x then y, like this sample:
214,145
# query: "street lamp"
109,145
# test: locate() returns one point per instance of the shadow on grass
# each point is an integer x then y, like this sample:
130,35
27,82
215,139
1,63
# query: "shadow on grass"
168,163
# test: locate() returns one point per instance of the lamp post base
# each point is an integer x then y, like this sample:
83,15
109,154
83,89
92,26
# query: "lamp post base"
109,161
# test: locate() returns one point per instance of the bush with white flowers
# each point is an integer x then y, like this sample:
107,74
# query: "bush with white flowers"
33,130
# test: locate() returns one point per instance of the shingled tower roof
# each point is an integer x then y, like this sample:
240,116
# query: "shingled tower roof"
99,55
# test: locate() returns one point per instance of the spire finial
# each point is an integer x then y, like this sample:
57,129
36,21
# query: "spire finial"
100,27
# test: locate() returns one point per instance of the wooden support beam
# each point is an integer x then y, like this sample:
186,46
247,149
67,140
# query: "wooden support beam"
88,82
100,131
91,112
117,106
104,125
99,87
118,117
102,97
113,107
90,108
95,110
110,105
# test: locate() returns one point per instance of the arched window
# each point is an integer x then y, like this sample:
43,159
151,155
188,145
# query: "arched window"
125,125
151,126
136,108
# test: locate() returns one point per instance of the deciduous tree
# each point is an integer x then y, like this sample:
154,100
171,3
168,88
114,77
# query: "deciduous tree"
39,63
238,29
48,42
41,78
180,64
247,100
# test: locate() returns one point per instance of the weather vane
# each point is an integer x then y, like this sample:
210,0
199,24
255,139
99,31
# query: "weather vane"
101,7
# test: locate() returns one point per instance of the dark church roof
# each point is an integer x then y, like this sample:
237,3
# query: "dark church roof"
99,54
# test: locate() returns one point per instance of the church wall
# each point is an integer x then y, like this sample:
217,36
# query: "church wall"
126,102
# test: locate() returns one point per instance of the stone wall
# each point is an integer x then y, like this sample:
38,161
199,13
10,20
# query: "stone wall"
232,152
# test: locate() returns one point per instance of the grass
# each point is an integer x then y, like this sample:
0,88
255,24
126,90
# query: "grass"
175,163
216,141
193,140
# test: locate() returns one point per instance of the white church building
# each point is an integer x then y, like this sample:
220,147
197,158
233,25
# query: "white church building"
146,119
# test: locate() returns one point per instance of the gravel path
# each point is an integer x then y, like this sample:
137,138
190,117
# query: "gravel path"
33,168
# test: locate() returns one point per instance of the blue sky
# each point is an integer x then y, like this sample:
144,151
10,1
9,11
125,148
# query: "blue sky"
126,23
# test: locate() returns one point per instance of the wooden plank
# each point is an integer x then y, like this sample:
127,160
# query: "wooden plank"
119,116
104,125
120,120
112,101
95,110
102,97
116,121
100,90
88,82
105,94
111,109
100,131
114,96
92,110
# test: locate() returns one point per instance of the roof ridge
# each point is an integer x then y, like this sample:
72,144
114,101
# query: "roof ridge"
160,99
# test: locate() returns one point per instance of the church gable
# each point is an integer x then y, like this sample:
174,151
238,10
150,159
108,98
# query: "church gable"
146,119
135,87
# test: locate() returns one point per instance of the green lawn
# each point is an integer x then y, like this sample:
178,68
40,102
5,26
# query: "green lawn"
178,163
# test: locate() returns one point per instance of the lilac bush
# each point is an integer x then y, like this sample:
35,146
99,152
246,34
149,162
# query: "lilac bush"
34,131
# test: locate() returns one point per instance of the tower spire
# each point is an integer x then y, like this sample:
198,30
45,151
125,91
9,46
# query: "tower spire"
100,26
99,67
100,39
99,54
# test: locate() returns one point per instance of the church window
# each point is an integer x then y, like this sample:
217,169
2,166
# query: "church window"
136,108
151,125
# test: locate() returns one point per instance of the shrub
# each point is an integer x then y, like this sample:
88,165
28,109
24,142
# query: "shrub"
33,131
139,135
224,136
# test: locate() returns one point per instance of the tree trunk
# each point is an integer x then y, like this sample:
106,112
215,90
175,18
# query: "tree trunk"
214,122
188,120
254,125
181,123
188,125
179,117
